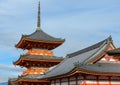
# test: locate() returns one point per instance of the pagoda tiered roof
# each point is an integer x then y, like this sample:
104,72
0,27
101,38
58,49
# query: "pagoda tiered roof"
42,36
39,39
85,61
37,60
32,79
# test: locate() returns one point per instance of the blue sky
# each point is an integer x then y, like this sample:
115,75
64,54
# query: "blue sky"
81,22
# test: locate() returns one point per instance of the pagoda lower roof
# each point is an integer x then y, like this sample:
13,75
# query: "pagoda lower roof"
11,81
31,78
38,39
35,59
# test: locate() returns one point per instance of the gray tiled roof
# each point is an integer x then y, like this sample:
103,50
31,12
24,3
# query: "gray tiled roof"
88,48
11,81
33,77
40,35
102,67
34,57
114,52
82,56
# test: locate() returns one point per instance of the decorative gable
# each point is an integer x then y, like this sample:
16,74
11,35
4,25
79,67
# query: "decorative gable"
109,59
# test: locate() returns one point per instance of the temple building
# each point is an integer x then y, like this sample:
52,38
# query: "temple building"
39,57
98,64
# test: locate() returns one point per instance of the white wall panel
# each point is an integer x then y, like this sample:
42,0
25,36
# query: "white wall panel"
91,81
103,82
80,81
72,82
64,83
115,82
52,84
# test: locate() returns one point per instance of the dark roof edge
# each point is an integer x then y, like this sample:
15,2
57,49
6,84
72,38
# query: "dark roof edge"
109,39
26,36
71,55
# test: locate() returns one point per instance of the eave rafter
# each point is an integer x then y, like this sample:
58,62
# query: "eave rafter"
31,62
19,80
76,71
26,43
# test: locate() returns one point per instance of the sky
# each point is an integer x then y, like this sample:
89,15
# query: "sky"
80,22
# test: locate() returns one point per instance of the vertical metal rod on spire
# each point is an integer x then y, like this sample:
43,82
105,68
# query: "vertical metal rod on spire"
38,21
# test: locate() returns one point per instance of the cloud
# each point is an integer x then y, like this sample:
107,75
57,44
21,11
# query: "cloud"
9,71
11,68
81,22
5,77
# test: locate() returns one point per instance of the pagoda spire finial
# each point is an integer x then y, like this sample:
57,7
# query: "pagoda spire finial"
38,19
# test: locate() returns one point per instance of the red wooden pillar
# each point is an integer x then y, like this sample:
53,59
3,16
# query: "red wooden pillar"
54,82
68,81
84,80
76,80
50,82
97,80
60,81
109,81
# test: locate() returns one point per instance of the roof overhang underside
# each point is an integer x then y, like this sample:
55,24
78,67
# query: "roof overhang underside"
77,71
22,61
26,43
32,81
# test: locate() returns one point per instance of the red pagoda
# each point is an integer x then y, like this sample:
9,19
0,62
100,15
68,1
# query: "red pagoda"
39,57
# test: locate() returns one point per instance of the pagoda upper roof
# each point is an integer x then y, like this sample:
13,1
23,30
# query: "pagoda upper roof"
39,39
83,59
42,36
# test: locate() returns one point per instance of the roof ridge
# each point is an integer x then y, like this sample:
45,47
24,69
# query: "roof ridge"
44,34
87,60
109,39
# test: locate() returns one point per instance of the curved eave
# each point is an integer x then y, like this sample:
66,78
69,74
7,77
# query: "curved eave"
114,52
22,60
31,80
101,54
41,35
22,43
84,71
97,73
